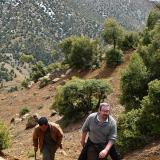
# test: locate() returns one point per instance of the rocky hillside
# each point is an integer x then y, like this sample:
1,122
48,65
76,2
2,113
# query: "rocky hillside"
39,101
36,26
131,14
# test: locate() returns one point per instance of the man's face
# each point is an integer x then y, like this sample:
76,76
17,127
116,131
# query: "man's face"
104,112
43,127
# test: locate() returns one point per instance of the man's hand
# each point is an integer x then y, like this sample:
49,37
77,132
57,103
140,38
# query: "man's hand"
103,153
82,143
35,149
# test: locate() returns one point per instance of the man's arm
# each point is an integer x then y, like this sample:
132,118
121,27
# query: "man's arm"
59,135
112,138
85,130
83,138
35,140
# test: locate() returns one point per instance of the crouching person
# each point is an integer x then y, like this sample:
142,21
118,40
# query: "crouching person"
48,137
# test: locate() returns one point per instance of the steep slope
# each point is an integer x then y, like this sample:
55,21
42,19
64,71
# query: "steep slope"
40,100
36,26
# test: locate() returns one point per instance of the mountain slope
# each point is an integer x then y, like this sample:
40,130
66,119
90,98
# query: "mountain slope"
36,26
36,98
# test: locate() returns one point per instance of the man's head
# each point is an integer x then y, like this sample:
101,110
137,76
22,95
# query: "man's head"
104,110
43,123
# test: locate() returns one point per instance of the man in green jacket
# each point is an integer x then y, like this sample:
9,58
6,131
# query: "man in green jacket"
48,136
101,129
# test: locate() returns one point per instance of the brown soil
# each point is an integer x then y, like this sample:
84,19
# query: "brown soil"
35,98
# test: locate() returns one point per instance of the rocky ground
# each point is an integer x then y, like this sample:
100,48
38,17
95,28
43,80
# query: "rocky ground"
40,100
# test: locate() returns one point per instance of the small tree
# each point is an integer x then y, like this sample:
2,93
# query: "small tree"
130,137
26,58
146,37
77,97
113,32
153,17
23,111
38,70
4,137
150,118
139,126
80,52
134,83
114,57
130,41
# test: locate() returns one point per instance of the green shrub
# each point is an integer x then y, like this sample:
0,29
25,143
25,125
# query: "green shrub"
38,70
57,67
151,58
146,37
28,58
153,17
130,41
114,57
113,32
77,97
44,82
25,83
129,136
134,82
151,113
13,89
5,139
23,111
138,127
80,52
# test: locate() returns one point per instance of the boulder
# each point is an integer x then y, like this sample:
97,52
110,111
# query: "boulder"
15,120
30,84
53,113
25,116
55,80
32,121
68,71
63,76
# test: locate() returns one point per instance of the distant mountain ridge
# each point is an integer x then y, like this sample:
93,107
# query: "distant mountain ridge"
130,13
36,26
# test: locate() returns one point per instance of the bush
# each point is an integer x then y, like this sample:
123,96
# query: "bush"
151,58
5,139
13,89
77,97
114,57
138,127
23,111
25,83
38,70
57,67
80,52
146,37
130,41
153,17
113,32
134,82
130,137
151,113
44,82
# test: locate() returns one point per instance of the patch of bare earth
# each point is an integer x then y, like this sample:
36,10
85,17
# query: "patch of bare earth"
40,100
